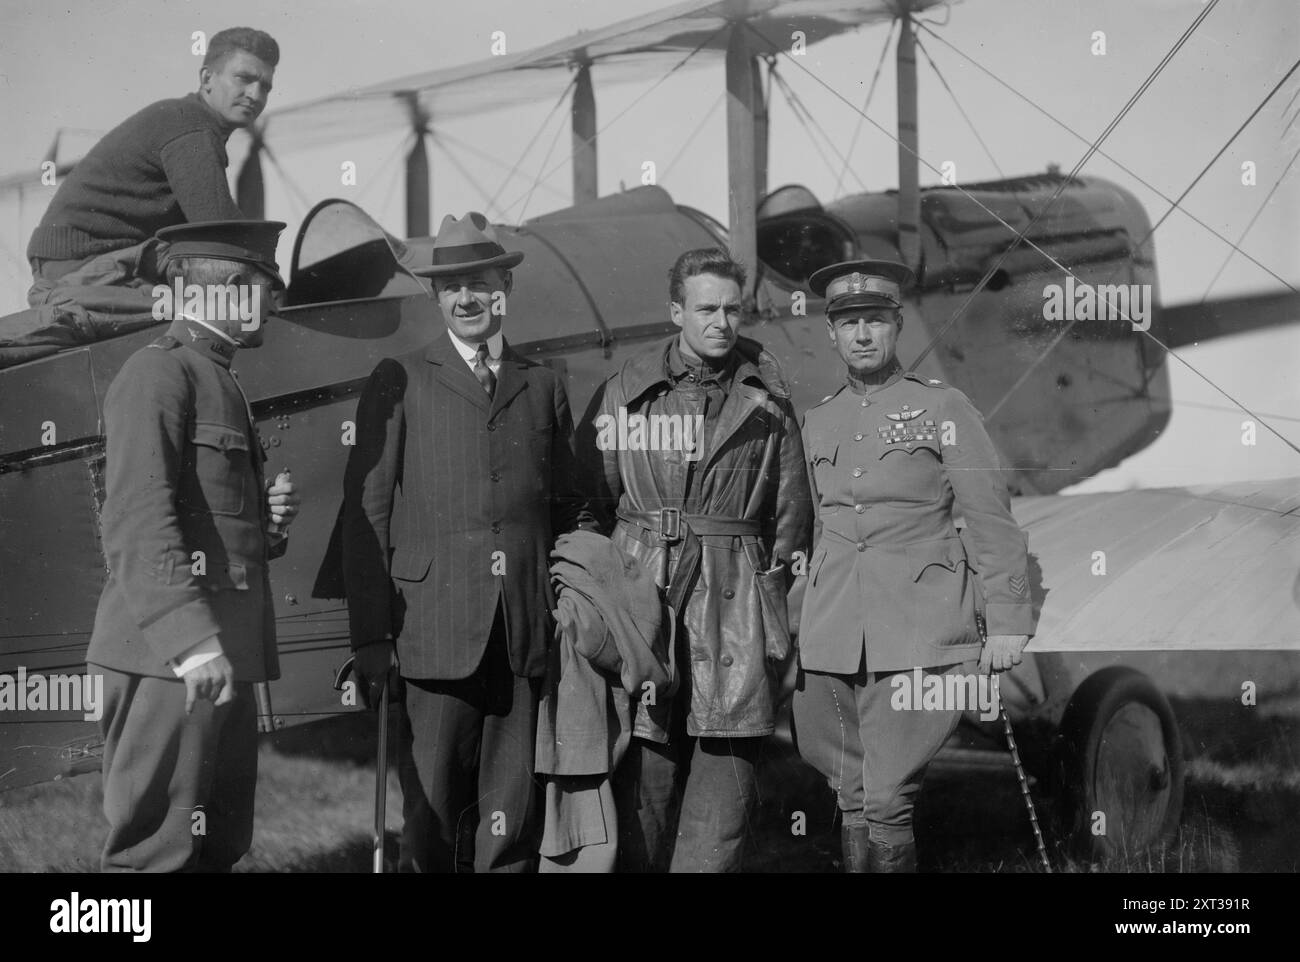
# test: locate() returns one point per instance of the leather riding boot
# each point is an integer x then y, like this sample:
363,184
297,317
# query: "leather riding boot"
854,840
883,857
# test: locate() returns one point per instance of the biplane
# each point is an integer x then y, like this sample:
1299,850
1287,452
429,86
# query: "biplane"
1062,399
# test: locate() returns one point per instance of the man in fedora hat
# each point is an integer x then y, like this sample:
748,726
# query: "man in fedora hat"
460,481
185,625
892,595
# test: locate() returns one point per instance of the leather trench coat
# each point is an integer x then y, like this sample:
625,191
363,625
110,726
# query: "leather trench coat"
749,513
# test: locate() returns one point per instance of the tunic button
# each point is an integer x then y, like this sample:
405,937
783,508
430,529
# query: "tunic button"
857,437
728,593
860,508
862,546
496,527
492,427
495,475
727,660
857,472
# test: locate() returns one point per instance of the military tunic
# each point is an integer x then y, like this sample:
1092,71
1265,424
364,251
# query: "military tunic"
184,533
891,587
889,580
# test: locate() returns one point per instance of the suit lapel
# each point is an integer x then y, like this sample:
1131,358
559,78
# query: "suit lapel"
451,370
511,379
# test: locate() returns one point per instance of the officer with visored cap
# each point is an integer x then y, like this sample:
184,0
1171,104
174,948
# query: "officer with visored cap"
893,458
185,625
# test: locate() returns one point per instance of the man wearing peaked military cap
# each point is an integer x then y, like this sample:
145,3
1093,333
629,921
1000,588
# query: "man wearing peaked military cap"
461,478
892,595
185,626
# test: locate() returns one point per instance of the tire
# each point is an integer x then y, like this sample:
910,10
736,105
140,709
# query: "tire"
1121,764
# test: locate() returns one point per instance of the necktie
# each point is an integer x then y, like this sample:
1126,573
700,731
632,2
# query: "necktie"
483,372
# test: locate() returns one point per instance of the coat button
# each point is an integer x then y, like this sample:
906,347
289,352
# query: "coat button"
496,527
495,475
859,508
857,437
491,427
862,546
857,472
727,660
728,593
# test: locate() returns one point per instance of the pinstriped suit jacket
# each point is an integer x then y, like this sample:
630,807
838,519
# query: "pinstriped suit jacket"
452,502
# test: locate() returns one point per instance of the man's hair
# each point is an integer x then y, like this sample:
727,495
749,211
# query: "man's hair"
211,270
260,45
704,260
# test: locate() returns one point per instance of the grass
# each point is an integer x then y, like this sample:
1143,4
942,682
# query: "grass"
316,788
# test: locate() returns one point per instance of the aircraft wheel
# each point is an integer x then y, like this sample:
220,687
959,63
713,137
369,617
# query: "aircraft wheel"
1122,763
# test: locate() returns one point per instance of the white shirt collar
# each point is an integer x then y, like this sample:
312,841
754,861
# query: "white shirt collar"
468,350
221,334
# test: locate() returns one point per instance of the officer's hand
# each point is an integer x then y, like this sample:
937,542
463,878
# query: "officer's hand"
373,664
282,501
213,681
1002,653
789,675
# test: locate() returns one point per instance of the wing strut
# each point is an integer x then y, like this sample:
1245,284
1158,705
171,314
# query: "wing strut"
746,151
909,173
584,136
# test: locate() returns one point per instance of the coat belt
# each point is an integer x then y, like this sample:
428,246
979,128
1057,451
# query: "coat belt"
671,525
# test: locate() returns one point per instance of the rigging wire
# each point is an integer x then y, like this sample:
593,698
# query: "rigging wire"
515,169
1240,240
866,104
559,130
483,155
1080,137
1021,237
464,172
692,135
966,117
645,93
797,105
796,109
1022,234
405,143
1175,206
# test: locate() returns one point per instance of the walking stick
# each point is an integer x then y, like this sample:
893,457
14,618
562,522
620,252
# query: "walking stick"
265,714
381,766
381,782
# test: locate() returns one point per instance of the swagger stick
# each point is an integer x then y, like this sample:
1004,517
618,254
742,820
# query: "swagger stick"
1020,774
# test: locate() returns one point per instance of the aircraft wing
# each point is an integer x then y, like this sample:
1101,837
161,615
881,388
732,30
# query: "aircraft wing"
1194,322
1205,568
639,49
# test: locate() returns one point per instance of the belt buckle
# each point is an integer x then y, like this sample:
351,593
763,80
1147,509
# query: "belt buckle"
670,524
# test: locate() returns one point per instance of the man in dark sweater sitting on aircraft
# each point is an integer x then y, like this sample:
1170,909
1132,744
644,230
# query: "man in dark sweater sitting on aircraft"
92,256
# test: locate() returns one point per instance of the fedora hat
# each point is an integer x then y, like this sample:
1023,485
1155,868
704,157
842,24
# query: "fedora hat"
467,244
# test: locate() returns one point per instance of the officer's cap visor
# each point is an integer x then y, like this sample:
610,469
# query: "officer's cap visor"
850,302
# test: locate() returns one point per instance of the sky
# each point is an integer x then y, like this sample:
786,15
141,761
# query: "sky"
83,66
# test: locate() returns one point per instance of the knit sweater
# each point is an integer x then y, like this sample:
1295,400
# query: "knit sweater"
165,165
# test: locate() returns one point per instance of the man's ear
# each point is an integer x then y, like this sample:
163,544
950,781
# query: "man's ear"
509,283
205,77
675,311
830,330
